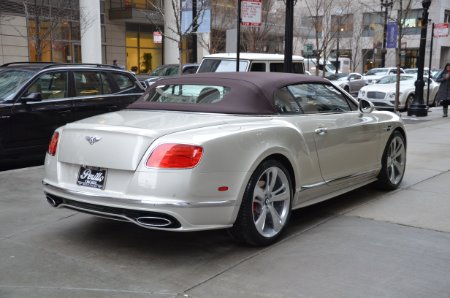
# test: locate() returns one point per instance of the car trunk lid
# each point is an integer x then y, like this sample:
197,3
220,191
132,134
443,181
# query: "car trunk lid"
119,140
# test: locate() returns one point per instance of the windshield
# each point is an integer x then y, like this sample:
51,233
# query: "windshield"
337,76
165,70
393,78
220,65
375,71
11,81
329,67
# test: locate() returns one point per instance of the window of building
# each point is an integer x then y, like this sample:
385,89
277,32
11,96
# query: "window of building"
447,16
312,22
372,24
343,24
143,54
412,20
57,38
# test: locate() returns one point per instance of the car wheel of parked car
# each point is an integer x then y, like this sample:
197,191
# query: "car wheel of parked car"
266,205
393,162
409,101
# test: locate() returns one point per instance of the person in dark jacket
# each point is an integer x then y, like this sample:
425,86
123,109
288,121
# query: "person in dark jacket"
444,89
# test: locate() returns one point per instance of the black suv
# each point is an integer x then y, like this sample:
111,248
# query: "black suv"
36,98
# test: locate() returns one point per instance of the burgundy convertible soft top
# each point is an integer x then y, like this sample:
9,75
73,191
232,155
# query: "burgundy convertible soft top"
250,93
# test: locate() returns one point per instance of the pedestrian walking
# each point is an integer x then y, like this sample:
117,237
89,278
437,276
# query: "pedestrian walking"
115,63
443,95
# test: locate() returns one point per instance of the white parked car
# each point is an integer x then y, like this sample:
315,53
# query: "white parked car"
382,94
224,150
373,75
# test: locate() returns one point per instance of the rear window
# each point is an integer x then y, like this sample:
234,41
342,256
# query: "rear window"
192,94
297,67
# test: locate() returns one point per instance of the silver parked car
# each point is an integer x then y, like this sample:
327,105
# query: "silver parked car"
350,82
224,150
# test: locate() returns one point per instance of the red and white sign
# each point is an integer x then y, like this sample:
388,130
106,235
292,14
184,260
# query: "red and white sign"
441,30
251,12
157,37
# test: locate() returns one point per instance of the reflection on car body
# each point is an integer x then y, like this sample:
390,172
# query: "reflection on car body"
225,150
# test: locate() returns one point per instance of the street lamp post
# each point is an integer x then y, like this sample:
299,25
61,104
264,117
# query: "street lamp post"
337,43
289,35
418,108
385,4
338,21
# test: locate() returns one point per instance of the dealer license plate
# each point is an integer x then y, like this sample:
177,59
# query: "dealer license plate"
92,177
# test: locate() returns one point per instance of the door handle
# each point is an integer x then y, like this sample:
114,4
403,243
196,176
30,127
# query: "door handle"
321,131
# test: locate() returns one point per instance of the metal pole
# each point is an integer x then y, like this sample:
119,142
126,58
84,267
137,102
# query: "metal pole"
194,30
418,108
429,64
238,39
383,50
337,43
288,35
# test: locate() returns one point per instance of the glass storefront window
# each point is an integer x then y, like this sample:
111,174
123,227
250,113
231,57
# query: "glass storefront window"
58,44
143,55
132,39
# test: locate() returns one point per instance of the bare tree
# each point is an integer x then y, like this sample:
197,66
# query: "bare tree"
326,18
179,32
46,19
257,39
223,18
403,12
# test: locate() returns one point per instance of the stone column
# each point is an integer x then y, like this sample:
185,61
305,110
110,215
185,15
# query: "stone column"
171,54
91,36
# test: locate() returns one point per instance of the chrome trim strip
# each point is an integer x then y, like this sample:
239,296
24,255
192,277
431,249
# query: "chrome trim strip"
178,204
319,184
66,99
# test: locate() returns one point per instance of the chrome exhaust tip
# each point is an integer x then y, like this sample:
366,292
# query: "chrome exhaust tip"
151,221
52,201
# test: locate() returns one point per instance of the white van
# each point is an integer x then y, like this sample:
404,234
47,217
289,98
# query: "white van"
226,62
311,65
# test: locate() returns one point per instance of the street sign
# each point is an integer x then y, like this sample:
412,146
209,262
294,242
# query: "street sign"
251,12
157,37
440,30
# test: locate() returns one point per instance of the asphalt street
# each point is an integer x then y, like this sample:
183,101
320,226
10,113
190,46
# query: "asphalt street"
366,243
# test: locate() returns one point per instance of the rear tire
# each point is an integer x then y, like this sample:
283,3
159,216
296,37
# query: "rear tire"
393,162
265,207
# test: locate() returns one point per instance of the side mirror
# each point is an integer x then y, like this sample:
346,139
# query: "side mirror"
365,106
32,97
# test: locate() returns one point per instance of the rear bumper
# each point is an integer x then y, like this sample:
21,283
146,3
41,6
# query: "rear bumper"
173,216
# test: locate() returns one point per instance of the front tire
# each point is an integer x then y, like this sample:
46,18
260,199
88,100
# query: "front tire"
409,101
393,162
266,205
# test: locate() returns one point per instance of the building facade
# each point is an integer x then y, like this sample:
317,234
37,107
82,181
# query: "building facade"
357,29
51,30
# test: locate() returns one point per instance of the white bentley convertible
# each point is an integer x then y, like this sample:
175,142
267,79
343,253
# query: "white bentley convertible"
224,150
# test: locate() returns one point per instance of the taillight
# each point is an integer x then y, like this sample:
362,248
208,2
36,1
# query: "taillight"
179,156
53,144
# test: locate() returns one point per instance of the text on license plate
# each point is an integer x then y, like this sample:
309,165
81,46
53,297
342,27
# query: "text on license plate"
92,177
